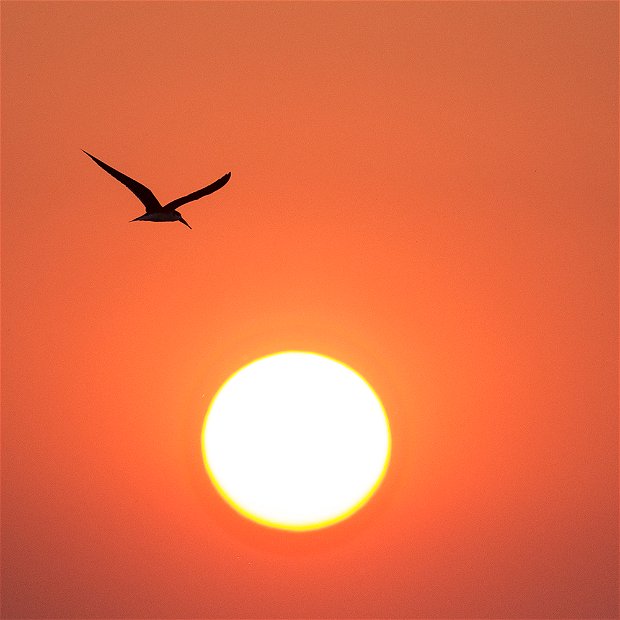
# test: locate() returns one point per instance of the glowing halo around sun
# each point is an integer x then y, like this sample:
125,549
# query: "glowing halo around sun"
296,441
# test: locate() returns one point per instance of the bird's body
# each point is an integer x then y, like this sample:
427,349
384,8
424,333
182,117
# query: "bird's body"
155,212
159,216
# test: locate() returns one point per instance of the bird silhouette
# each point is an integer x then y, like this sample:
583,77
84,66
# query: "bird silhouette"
155,212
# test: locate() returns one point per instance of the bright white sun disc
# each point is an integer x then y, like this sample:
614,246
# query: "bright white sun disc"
296,441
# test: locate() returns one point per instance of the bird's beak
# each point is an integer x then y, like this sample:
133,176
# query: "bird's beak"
184,222
135,219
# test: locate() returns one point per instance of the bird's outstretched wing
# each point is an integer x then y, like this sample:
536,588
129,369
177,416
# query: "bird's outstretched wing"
175,204
145,195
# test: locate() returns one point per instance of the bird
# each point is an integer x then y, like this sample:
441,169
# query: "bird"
155,212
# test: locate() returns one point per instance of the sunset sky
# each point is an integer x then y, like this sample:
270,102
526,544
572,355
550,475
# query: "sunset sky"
424,191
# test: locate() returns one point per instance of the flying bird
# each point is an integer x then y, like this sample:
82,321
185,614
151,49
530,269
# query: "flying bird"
155,212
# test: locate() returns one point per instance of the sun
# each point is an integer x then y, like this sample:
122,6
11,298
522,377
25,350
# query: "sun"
296,441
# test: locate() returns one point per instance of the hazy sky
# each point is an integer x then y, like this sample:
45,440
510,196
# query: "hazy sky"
425,191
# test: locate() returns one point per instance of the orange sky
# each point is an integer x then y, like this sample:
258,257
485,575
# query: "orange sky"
425,191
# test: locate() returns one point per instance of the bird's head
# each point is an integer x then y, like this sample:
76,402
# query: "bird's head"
179,217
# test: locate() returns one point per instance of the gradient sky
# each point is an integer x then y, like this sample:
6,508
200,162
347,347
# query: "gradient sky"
424,191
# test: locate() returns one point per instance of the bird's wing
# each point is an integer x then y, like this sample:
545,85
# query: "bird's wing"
145,195
175,204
